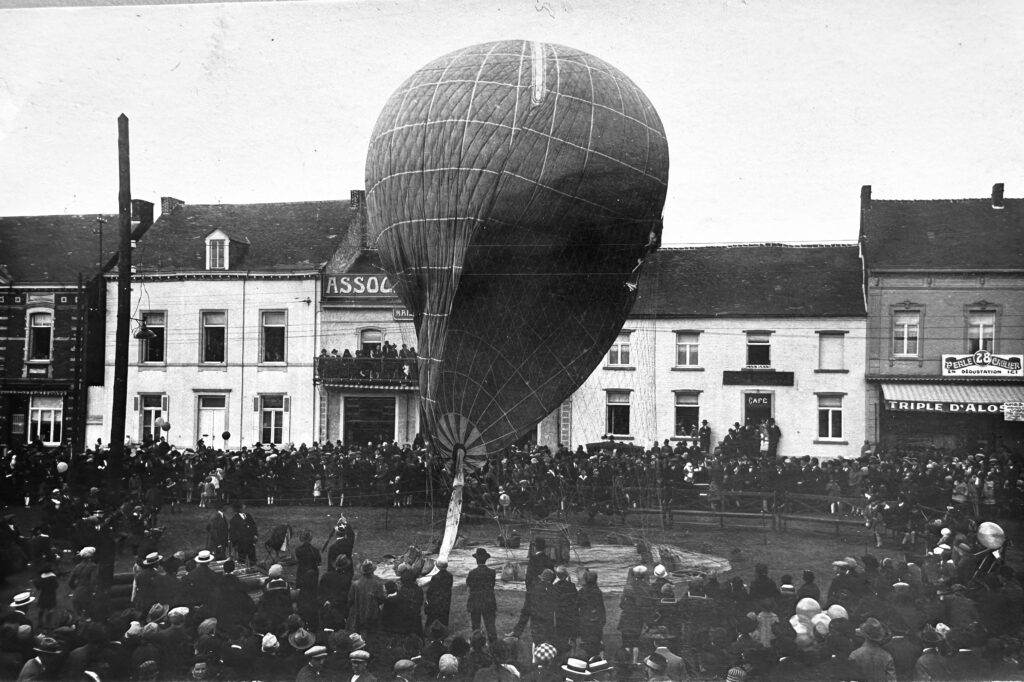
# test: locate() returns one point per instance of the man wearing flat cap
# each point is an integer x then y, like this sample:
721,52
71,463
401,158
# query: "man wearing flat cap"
314,668
360,660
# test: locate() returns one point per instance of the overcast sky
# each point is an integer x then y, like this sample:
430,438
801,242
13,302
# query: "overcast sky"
776,111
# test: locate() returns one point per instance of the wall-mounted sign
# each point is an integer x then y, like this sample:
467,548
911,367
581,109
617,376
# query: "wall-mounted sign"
944,407
358,286
981,363
403,315
1013,412
748,377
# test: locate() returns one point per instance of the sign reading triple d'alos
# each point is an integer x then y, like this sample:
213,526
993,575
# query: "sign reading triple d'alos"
358,286
945,407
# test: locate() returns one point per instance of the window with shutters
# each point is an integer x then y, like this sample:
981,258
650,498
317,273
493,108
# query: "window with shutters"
273,424
151,407
272,335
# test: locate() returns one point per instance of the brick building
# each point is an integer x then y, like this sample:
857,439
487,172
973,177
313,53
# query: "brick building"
50,323
945,295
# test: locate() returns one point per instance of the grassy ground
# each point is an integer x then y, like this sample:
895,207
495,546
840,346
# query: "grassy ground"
391,531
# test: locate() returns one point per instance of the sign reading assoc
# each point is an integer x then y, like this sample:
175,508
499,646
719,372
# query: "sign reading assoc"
360,286
981,363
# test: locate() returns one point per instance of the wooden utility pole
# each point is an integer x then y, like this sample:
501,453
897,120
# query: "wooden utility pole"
115,469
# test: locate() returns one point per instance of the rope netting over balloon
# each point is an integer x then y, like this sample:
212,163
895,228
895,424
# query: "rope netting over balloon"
514,189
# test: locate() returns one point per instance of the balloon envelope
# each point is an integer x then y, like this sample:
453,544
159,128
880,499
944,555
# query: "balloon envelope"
158,422
62,467
991,535
226,435
166,426
513,191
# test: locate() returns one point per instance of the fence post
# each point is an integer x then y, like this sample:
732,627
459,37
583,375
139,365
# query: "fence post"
721,510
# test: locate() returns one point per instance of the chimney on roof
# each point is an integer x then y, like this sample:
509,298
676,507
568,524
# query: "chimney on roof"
168,204
357,203
865,197
997,196
357,199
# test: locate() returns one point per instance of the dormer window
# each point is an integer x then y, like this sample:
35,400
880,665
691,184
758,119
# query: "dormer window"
217,250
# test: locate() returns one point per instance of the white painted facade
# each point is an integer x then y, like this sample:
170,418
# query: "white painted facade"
826,357
347,327
253,393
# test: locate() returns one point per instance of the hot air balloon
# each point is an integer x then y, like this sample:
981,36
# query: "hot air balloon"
513,190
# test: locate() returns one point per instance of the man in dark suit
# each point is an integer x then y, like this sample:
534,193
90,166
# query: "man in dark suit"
774,436
243,533
439,595
481,603
217,533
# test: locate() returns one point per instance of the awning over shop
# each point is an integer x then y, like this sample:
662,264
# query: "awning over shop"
950,397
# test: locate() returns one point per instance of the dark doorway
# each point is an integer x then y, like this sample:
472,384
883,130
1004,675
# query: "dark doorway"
369,420
758,407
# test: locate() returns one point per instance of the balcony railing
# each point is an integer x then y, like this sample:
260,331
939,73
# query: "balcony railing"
366,371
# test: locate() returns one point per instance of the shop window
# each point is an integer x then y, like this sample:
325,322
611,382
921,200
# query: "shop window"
759,350
273,335
618,354
273,409
687,349
40,336
618,413
214,336
152,350
830,351
830,417
46,419
906,327
687,413
981,331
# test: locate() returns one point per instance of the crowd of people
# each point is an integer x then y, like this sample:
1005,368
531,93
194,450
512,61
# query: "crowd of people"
949,601
955,614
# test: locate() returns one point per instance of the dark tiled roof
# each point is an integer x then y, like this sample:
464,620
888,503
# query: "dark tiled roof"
54,249
963,234
265,237
756,280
